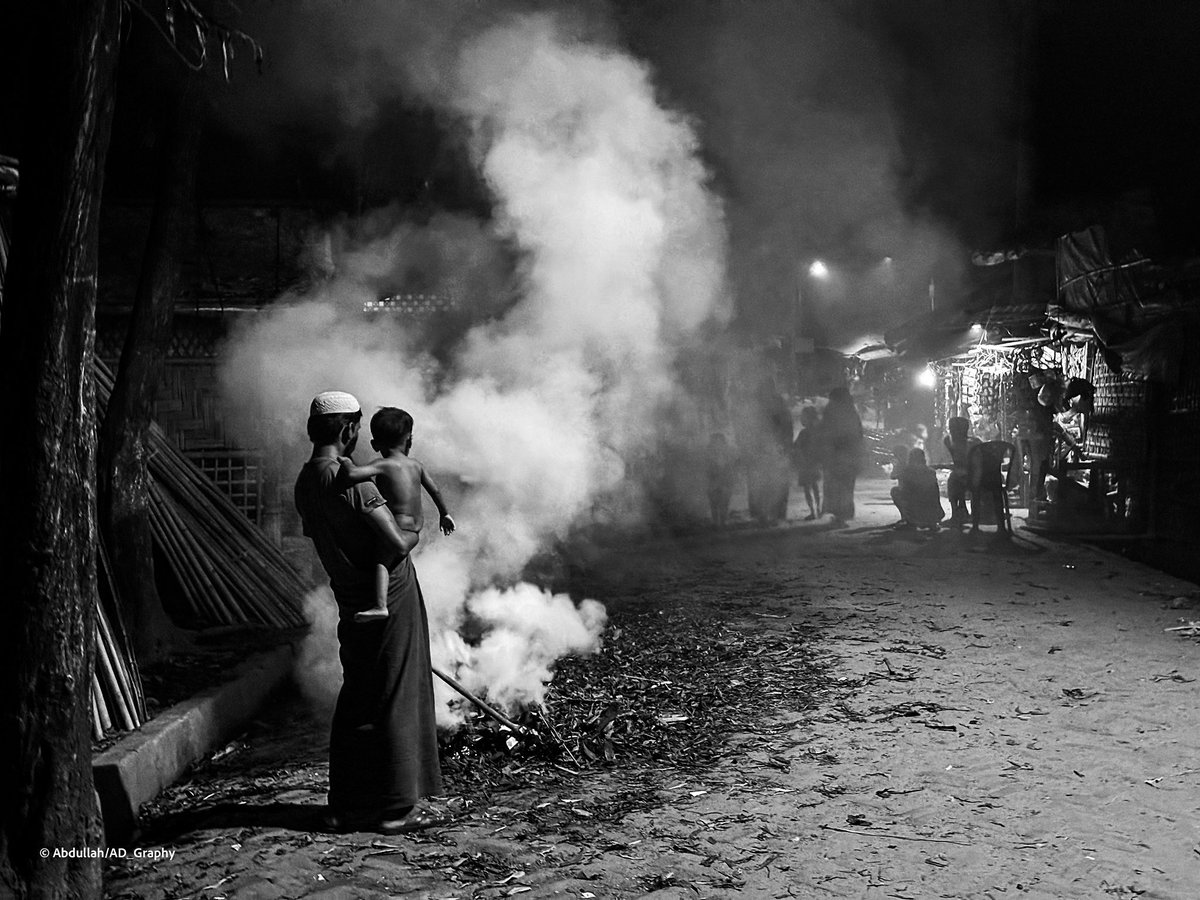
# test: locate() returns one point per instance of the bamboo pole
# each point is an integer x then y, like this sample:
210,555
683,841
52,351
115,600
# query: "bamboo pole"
193,484
120,635
193,577
97,725
235,564
164,539
104,638
99,706
202,603
113,697
250,587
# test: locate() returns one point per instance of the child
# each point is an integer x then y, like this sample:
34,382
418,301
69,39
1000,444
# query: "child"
720,464
806,461
400,479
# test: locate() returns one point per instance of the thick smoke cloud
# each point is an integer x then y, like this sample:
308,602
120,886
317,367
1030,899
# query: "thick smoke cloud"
621,259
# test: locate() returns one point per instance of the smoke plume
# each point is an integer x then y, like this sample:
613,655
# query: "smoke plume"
528,418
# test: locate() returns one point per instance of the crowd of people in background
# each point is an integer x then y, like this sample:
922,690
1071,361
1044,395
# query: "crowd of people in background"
824,456
824,459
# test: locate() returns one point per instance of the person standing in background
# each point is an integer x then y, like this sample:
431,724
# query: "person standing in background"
958,443
842,434
768,466
806,460
720,464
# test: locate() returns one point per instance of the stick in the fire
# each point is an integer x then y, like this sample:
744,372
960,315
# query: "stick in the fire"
485,708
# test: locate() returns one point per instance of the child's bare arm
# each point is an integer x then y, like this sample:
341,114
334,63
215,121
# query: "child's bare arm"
349,473
445,522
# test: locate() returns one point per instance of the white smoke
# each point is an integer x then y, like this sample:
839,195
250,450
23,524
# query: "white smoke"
318,671
601,190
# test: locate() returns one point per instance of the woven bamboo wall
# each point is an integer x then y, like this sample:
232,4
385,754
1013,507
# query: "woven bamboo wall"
187,407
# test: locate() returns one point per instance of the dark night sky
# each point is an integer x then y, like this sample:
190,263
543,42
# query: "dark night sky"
847,130
1117,109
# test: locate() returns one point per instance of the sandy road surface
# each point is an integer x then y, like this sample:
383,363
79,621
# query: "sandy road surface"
1001,721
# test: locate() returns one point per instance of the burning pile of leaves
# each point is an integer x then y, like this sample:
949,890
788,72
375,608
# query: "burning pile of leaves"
668,689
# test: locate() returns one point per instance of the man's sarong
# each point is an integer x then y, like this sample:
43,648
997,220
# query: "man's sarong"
383,745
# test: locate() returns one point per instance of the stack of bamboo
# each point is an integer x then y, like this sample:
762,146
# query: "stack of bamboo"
117,699
228,571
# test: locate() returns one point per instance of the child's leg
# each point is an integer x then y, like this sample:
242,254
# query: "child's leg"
379,610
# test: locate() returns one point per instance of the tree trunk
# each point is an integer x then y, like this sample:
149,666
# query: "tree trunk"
47,455
124,474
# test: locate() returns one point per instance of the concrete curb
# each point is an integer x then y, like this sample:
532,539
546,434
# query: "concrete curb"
142,763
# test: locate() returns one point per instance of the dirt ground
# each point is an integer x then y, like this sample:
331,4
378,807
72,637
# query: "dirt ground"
998,720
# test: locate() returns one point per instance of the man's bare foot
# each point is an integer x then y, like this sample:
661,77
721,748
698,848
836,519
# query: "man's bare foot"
371,615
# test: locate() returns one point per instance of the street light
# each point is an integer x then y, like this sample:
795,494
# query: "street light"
804,344
927,378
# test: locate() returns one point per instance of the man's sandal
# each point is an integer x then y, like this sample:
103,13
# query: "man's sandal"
416,820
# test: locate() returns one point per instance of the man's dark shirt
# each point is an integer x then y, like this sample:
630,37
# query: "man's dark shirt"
337,522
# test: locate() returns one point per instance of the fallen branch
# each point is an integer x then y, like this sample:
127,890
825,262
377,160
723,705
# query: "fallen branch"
899,837
1191,627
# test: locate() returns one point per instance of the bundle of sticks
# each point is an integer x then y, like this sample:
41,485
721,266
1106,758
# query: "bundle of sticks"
118,703
227,569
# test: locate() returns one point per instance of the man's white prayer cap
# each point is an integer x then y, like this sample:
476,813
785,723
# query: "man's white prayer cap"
333,402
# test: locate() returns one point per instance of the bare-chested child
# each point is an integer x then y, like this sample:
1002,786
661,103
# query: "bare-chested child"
400,479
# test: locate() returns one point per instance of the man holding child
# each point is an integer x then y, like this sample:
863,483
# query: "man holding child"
383,755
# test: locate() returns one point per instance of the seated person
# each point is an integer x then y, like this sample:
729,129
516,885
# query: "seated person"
916,493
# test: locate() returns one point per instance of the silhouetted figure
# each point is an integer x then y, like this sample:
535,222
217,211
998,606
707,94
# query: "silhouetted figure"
985,479
842,436
899,461
806,460
768,471
916,493
720,466
958,442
